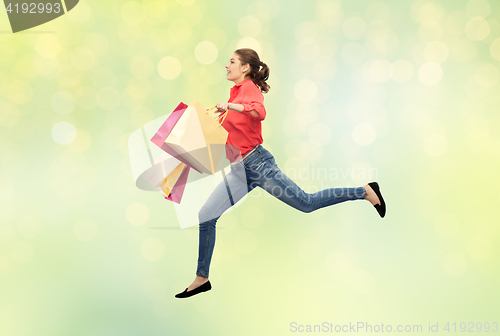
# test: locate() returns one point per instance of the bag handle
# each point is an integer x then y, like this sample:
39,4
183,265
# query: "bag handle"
221,117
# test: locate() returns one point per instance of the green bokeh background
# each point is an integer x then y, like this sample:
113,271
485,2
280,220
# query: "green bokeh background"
407,90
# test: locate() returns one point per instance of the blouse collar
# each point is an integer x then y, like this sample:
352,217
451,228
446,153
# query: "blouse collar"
243,81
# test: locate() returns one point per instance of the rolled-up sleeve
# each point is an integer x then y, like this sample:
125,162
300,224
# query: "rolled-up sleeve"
254,100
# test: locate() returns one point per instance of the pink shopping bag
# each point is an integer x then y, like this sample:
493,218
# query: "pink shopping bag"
165,130
178,189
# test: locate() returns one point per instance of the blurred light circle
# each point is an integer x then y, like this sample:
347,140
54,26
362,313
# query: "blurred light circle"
206,52
82,58
445,223
152,249
169,68
7,234
354,28
81,143
245,242
480,248
108,99
309,250
430,31
362,281
213,73
477,130
185,2
141,67
364,134
473,89
339,262
48,45
103,78
163,308
402,71
430,73
320,134
267,52
307,32
56,212
137,214
215,35
362,171
86,97
6,186
10,114
381,38
325,69
478,8
454,264
455,22
155,288
436,52
64,133
353,53
486,75
305,90
179,30
82,13
45,65
265,9
330,12
249,26
63,102
13,160
85,229
252,217
249,42
132,13
464,50
435,145
423,11
19,92
495,49
381,71
96,42
22,252
477,29
155,8
308,52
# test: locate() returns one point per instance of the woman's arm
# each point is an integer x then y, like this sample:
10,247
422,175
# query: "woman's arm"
240,108
237,107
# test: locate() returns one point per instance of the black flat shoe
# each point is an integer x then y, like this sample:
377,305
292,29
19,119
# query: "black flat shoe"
200,289
380,207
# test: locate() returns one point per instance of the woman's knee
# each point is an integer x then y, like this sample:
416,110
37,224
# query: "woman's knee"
206,214
306,208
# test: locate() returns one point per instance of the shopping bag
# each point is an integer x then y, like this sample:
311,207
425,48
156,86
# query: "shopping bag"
167,175
177,189
198,138
165,130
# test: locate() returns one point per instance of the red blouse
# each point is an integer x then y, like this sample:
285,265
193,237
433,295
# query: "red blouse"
244,129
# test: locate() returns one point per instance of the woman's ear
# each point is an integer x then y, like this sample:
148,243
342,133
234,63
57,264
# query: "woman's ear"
246,67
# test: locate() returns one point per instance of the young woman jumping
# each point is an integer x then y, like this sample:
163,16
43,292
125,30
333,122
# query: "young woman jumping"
254,166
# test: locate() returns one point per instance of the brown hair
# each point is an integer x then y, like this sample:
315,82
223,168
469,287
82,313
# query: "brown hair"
259,76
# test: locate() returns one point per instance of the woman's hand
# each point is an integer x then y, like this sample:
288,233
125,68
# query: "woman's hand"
221,107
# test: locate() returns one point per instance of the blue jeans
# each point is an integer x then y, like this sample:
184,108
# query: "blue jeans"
259,169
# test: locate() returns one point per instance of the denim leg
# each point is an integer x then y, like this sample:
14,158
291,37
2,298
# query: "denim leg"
282,187
227,193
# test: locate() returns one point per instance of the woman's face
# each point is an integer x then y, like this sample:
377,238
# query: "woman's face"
235,71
